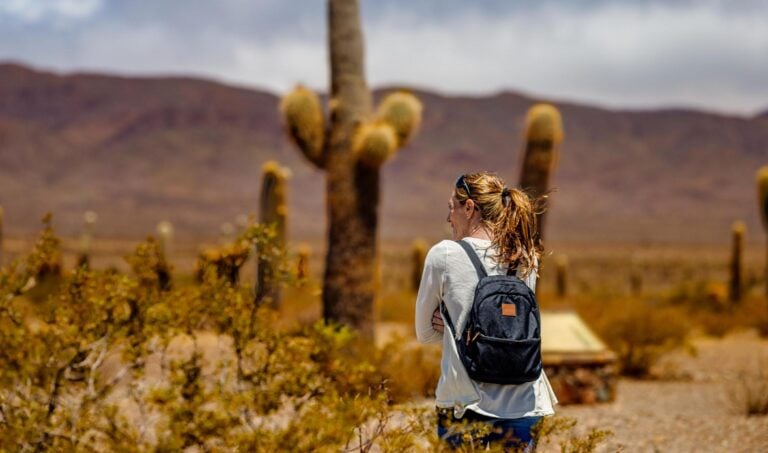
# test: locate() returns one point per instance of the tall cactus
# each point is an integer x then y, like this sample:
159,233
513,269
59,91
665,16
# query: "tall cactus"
351,149
543,135
737,252
272,211
762,196
1,235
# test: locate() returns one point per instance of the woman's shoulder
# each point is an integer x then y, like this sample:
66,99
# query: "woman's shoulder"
446,247
439,252
440,249
445,244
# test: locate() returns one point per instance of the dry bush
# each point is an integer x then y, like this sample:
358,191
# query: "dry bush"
91,366
640,332
563,431
749,394
752,313
710,310
553,432
125,362
412,369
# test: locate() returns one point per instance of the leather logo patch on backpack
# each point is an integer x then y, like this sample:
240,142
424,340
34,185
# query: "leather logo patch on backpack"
508,310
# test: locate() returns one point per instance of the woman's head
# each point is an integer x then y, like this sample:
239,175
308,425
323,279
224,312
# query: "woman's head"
507,214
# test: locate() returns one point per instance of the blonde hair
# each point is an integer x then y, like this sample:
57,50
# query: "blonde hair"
509,214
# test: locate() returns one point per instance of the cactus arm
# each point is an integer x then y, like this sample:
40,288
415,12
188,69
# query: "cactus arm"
305,123
397,118
374,143
401,110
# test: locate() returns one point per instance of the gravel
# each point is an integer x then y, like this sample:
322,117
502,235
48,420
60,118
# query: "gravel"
693,406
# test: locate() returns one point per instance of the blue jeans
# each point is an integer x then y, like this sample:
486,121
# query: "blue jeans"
480,430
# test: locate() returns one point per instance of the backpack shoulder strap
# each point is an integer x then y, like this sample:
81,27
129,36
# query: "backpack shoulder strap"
481,273
447,317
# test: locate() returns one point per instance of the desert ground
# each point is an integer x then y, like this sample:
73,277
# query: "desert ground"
695,404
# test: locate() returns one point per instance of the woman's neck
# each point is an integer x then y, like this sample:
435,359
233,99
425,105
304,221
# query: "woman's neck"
479,232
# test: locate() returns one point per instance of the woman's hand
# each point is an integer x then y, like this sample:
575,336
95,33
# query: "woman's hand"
437,321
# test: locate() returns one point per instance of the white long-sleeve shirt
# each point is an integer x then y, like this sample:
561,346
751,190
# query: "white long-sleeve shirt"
449,276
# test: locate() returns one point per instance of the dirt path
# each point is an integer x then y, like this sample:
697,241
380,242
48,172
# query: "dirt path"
695,412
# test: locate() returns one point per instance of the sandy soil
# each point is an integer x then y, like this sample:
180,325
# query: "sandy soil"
694,407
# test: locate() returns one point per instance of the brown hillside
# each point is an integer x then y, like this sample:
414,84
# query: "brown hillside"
139,150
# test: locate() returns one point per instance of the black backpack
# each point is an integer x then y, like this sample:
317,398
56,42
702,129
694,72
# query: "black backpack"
501,341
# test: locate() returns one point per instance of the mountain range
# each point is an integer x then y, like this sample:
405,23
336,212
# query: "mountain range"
138,150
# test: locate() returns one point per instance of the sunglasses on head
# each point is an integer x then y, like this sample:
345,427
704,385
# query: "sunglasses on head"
461,183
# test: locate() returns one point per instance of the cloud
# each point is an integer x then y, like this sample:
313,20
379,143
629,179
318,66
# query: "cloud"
619,55
37,10
641,53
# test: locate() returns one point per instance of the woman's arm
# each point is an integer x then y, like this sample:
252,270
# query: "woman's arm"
429,296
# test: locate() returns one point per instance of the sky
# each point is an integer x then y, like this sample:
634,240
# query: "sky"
636,54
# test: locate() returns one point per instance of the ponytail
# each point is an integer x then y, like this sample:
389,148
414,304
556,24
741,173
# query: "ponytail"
515,232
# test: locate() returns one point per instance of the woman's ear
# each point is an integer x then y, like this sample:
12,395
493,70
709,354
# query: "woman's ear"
469,207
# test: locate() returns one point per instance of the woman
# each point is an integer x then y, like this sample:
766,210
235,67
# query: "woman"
500,225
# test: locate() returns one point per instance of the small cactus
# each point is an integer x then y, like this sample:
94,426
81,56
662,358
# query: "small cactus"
165,232
227,230
418,254
302,261
46,265
737,251
543,135
762,196
561,276
272,212
86,240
